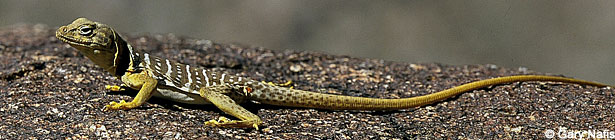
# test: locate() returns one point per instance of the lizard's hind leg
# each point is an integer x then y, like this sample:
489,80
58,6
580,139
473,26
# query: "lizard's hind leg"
218,95
287,84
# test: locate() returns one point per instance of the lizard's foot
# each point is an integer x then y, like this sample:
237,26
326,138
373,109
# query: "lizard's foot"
117,106
115,88
225,122
287,84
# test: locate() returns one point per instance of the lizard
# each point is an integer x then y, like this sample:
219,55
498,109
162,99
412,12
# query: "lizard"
168,79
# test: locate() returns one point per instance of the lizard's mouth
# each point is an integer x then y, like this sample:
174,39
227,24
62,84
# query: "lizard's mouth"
61,34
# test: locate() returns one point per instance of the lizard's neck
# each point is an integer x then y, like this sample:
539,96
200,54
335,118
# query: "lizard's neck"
124,59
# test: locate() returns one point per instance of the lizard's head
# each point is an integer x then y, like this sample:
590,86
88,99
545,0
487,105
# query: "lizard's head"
97,41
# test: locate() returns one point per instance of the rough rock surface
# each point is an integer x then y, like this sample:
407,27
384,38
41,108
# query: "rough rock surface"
49,90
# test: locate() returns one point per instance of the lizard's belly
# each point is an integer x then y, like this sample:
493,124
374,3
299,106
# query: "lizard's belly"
180,96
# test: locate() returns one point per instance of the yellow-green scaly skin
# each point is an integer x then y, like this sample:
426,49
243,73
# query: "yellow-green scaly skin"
154,76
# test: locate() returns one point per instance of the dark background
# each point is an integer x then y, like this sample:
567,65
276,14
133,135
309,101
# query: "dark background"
574,38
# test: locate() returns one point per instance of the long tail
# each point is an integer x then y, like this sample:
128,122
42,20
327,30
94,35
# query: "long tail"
300,98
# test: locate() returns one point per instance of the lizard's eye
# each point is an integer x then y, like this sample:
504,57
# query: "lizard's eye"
86,30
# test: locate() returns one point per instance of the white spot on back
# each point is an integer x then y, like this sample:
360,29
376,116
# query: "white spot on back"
189,77
169,68
222,79
146,58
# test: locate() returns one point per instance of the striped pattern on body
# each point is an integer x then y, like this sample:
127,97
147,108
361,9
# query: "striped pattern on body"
185,77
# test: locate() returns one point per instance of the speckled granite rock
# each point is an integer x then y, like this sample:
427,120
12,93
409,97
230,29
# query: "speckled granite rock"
49,90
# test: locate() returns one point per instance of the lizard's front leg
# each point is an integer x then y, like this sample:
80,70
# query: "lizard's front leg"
218,95
142,81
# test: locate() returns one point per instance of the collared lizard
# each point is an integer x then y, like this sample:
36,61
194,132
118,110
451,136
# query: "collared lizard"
168,79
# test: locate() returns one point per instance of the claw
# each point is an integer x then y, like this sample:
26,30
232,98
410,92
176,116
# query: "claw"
114,88
116,106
